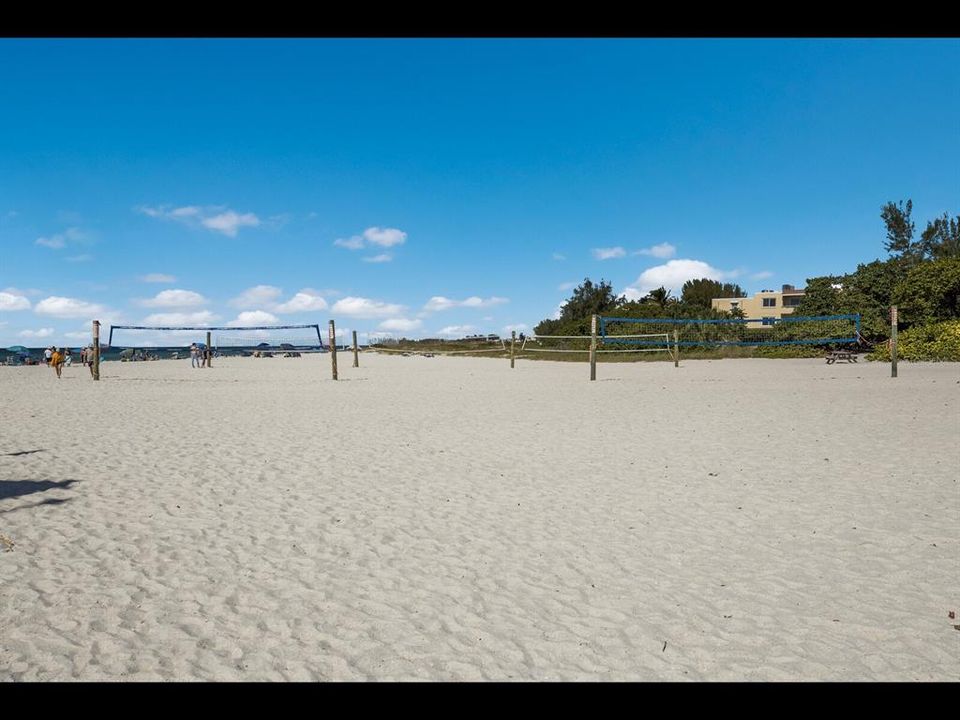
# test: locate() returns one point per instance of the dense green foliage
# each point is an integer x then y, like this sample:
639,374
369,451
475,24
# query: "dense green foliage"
921,277
933,341
700,293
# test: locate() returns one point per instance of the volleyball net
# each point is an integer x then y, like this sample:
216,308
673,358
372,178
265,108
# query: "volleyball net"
755,332
272,336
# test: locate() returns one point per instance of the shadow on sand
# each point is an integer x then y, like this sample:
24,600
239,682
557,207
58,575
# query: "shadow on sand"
16,488
24,452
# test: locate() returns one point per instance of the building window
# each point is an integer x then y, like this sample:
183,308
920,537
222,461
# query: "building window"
768,321
770,302
792,301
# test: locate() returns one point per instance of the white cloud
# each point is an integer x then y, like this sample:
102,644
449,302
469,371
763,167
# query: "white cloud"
175,299
663,250
217,218
68,307
400,324
79,335
672,275
303,301
519,327
384,237
457,330
558,256
54,241
11,301
260,295
352,243
202,317
438,302
382,258
608,253
360,307
762,275
157,278
230,222
566,286
59,240
41,333
253,317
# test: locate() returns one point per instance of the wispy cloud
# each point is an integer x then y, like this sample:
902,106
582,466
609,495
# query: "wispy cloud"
382,237
256,297
663,250
566,286
438,302
457,330
202,317
608,253
59,241
382,258
41,333
558,256
762,275
400,324
217,218
157,278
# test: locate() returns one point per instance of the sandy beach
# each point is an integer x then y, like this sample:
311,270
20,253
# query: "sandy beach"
450,519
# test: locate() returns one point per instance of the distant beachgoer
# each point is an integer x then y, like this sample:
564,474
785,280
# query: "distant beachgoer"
194,355
90,360
47,354
56,359
68,358
83,356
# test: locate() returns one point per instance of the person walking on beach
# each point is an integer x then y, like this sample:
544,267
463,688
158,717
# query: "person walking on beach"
194,356
47,355
67,358
89,362
56,359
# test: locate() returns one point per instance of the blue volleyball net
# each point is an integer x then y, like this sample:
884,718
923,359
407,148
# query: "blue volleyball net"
756,332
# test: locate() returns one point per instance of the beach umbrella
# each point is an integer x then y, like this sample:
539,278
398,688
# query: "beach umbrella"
18,349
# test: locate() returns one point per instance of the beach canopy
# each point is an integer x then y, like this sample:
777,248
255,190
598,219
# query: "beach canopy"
18,348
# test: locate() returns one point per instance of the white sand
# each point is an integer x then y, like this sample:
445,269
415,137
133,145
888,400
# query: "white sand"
447,518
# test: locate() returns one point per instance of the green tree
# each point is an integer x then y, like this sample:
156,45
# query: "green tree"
899,227
700,293
941,239
587,299
930,292
661,296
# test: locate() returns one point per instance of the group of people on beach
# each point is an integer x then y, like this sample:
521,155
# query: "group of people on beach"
199,357
58,357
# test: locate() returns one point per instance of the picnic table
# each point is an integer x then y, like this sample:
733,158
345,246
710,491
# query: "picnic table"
835,355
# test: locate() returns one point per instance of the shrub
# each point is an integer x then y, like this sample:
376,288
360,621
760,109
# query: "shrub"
937,342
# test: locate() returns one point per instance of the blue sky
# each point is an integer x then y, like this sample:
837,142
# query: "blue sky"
426,187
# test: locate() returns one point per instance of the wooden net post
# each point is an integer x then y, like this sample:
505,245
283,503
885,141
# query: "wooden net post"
96,349
356,354
209,352
513,344
893,341
332,336
593,347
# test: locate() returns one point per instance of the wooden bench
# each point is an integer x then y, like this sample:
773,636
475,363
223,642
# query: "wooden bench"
835,355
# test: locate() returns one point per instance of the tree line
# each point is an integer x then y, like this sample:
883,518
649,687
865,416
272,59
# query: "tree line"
921,275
